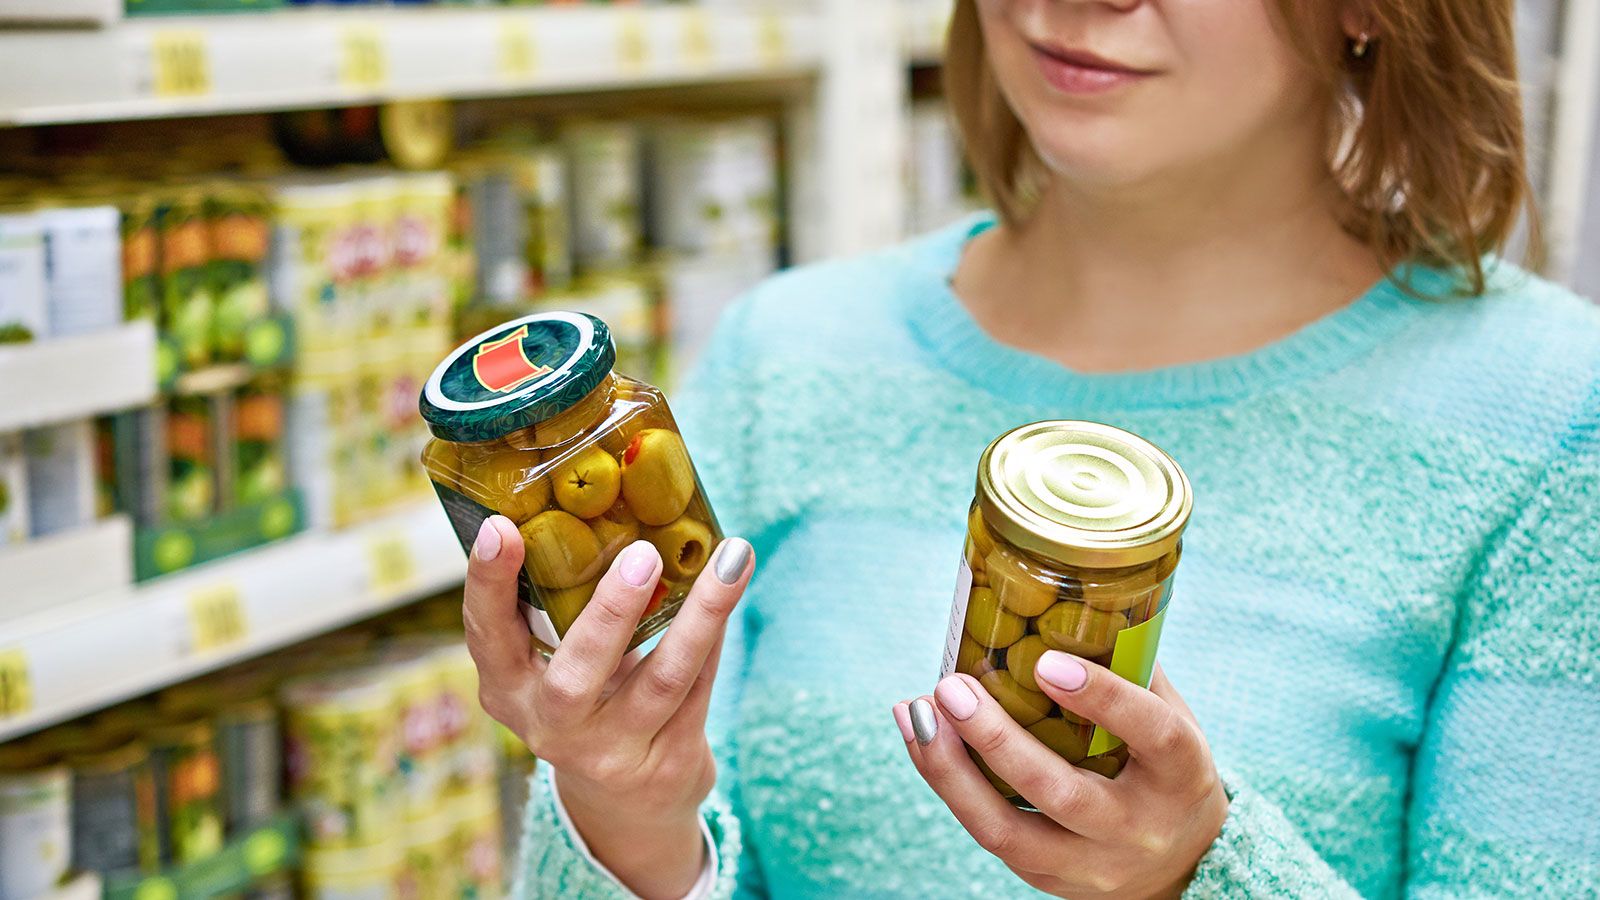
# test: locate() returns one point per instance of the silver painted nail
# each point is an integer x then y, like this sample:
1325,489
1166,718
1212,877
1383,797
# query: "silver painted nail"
732,557
923,724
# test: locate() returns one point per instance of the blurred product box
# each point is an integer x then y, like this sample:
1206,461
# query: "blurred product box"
237,223
187,305
24,288
84,268
34,828
61,477
14,527
604,182
935,173
696,291
713,185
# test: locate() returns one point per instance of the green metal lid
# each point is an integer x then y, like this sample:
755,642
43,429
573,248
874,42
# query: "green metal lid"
516,374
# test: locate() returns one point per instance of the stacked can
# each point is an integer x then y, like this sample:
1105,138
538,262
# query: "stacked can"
35,816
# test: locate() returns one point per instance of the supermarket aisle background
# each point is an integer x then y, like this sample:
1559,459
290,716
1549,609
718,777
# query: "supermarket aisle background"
234,239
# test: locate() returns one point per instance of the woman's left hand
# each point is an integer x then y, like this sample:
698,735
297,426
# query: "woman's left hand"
1138,835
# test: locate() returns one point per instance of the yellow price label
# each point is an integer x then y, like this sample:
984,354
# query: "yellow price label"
182,62
772,39
16,688
363,58
698,48
393,565
518,57
633,44
216,618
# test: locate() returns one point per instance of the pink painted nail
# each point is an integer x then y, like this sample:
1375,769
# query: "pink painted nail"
1061,670
957,699
487,546
902,717
638,563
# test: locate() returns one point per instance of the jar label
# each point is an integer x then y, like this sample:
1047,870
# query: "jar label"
1133,657
958,617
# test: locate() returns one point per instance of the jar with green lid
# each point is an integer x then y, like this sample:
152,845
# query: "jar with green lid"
530,421
1073,538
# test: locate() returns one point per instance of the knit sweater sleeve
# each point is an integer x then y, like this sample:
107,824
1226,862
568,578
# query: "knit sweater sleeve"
1507,775
716,421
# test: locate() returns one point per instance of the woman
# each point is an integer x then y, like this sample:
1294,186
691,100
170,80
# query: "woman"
1257,233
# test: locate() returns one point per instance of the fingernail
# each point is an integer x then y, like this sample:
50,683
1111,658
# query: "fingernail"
957,699
487,546
638,563
902,717
923,724
1061,670
732,557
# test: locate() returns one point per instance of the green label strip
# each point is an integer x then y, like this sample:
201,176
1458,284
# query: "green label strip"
1134,658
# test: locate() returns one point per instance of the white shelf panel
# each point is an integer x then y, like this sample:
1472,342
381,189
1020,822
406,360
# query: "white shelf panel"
196,65
62,379
923,24
44,572
86,655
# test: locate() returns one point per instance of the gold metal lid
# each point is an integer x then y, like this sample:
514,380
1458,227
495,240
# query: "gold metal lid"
1083,493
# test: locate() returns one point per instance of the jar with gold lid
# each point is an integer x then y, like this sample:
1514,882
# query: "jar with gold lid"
1073,538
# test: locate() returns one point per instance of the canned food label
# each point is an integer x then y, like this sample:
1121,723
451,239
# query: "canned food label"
1133,657
958,618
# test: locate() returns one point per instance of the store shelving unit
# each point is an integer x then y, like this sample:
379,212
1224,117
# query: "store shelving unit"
77,377
68,660
299,58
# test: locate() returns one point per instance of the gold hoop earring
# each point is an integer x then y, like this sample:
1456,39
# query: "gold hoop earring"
1360,49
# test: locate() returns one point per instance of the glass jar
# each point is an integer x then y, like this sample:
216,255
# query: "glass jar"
1072,541
530,421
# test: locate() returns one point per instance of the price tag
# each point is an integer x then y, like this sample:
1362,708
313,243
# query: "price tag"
216,618
772,40
363,58
698,48
518,58
16,690
633,45
393,565
181,61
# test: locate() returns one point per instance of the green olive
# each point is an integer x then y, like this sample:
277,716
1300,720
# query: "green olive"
684,545
973,658
1108,766
1022,656
443,464
614,529
657,476
1026,706
990,625
1127,588
1020,589
508,482
522,439
1005,790
586,483
1070,741
1081,630
561,551
564,604
978,532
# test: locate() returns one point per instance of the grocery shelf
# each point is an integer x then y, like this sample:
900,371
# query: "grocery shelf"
299,58
78,657
62,379
44,572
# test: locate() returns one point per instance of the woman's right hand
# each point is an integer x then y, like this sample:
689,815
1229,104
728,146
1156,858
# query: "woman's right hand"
625,734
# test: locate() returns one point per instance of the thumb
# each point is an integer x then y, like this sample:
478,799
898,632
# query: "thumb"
496,632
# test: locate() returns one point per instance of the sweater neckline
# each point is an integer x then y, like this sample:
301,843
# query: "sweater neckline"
956,342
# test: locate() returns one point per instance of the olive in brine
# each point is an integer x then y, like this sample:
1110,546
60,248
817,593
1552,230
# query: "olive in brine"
684,545
561,551
1021,590
1022,656
1026,706
1081,630
507,482
972,658
443,463
1000,785
614,529
1069,740
564,604
586,483
657,477
990,625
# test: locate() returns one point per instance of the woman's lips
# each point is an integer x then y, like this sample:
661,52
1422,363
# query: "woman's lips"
1075,72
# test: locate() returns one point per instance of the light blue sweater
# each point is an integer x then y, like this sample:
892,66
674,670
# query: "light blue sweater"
1387,618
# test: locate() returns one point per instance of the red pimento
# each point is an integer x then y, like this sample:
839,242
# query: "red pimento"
630,454
655,599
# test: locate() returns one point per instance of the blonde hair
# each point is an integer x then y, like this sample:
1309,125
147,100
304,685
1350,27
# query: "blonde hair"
1426,139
